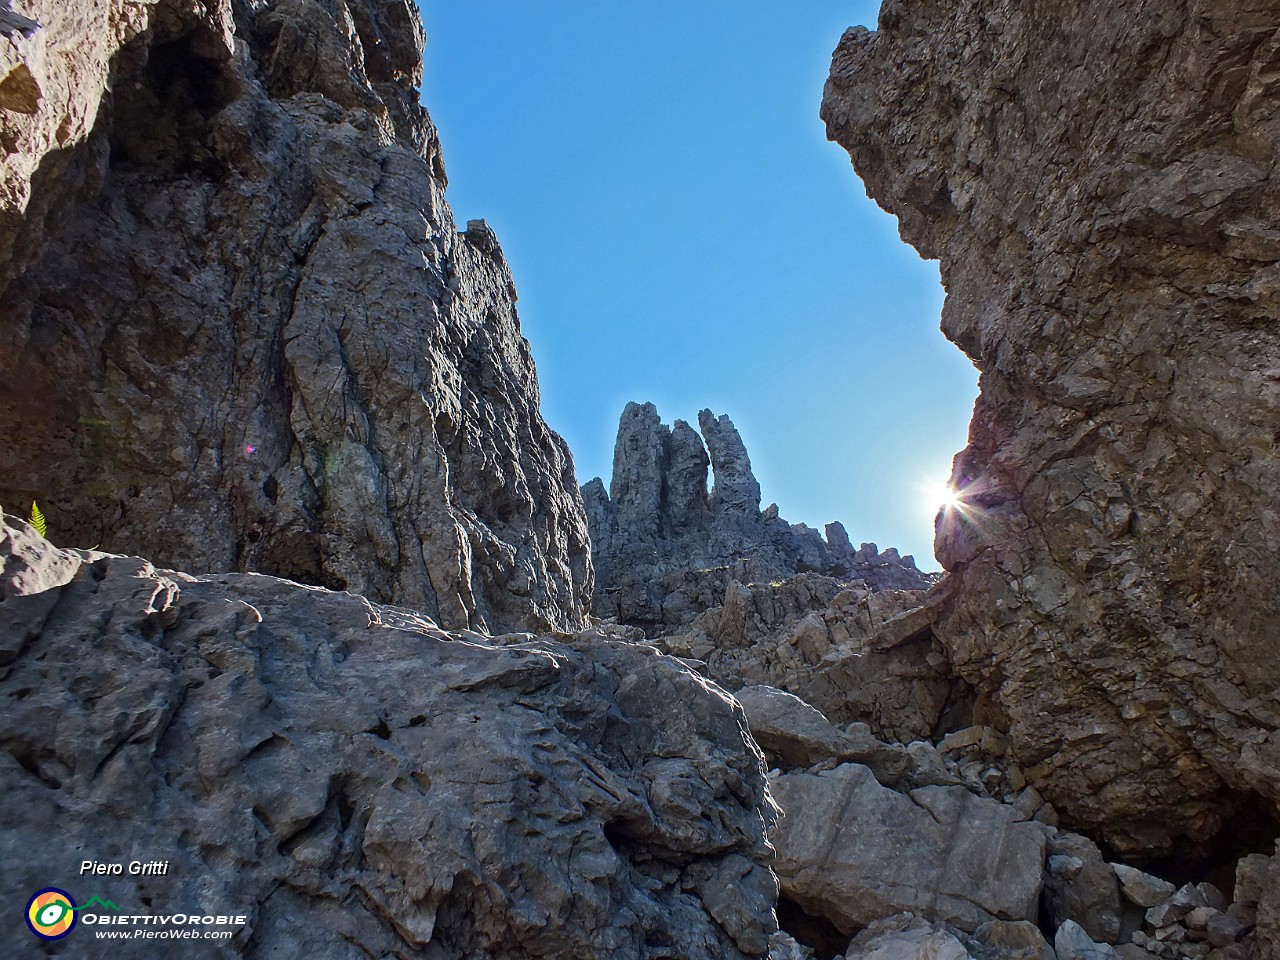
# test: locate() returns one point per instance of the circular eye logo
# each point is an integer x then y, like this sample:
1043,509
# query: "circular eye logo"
51,913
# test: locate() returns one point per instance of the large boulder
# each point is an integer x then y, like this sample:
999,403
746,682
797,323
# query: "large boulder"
852,851
1100,184
242,331
357,782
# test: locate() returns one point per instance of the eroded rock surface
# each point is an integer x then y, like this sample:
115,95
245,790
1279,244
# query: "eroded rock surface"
1100,186
855,653
241,330
360,783
854,851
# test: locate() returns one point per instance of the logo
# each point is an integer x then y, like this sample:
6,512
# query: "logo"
51,913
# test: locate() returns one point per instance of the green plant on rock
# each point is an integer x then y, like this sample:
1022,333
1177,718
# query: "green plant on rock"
37,520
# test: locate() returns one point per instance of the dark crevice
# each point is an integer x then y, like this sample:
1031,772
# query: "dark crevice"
1252,828
177,74
31,764
958,711
818,934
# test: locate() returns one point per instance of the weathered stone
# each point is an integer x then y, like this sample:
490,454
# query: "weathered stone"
1176,908
1081,886
1015,940
736,490
906,938
824,640
851,850
1212,896
242,330
358,782
15,24
1166,914
1224,929
1072,943
1258,893
789,729
1143,889
1254,875
782,946
795,735
1198,918
1099,185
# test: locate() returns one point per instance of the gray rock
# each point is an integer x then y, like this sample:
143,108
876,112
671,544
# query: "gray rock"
788,729
1258,893
1080,885
1100,186
1224,929
1143,889
358,782
838,645
906,937
263,343
782,946
915,945
1173,910
851,850
1198,918
13,25
795,735
1213,897
736,491
1166,914
1015,940
1072,943
1254,874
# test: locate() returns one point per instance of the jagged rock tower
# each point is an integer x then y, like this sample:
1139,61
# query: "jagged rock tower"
665,547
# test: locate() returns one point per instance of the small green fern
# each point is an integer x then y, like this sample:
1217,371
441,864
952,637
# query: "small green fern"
37,519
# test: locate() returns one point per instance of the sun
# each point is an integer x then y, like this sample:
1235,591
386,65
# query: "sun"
940,496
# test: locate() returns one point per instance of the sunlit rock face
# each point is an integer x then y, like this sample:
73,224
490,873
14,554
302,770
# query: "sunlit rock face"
240,328
1099,184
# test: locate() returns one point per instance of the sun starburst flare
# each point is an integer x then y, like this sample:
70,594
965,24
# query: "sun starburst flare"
938,497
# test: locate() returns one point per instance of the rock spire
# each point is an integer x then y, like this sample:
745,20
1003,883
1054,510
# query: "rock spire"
664,545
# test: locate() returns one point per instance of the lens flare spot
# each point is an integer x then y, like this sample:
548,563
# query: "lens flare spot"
940,496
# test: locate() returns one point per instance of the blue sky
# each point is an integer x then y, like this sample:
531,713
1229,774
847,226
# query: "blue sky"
681,232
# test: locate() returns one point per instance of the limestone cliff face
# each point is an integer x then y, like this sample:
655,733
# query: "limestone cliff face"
241,331
665,546
1100,185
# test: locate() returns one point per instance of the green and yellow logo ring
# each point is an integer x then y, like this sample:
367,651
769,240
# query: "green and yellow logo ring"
51,913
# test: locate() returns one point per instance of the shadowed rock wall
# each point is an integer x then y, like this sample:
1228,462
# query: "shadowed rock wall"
240,329
1099,183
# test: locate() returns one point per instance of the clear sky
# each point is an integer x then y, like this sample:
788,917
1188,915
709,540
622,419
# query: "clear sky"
681,232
